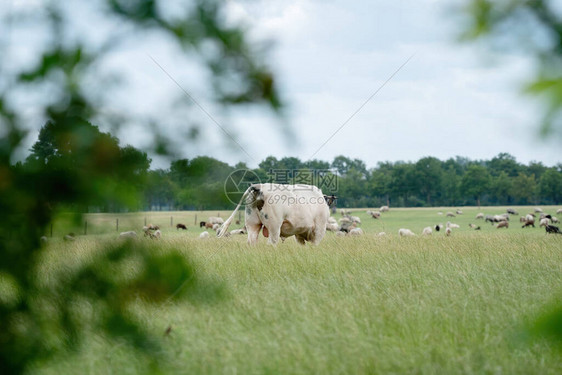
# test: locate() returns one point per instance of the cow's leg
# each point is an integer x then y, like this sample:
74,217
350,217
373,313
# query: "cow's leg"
253,233
318,233
274,234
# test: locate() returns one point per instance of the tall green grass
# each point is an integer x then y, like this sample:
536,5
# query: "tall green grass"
367,305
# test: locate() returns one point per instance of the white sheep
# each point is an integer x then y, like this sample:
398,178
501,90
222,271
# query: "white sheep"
452,225
459,212
216,226
480,216
356,219
356,232
544,222
427,231
384,209
129,234
381,234
238,231
554,219
559,211
215,220
204,235
405,232
538,210
448,232
157,234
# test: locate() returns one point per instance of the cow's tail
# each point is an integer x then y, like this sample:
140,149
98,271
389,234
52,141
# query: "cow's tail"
224,227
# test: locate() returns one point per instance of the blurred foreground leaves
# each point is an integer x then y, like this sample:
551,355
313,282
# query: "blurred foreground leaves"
74,165
533,27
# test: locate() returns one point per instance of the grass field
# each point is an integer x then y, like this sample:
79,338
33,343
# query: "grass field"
366,305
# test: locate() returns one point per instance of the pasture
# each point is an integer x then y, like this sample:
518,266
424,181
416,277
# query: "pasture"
364,305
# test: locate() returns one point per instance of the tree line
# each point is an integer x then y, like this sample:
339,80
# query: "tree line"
201,183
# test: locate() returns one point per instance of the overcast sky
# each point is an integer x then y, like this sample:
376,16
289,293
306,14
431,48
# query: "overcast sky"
330,58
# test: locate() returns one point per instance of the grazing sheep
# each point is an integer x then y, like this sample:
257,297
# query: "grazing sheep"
375,214
356,232
552,229
511,211
544,222
129,234
459,212
559,211
153,227
452,225
480,216
381,234
332,227
529,222
181,226
427,231
356,219
438,227
202,224
440,213
157,234
216,227
543,215
69,237
344,212
204,235
502,224
384,209
215,220
448,232
522,219
474,226
554,219
489,218
538,210
208,225
450,214
340,233
405,232
238,231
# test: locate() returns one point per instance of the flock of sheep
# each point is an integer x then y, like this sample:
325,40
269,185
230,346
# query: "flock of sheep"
347,225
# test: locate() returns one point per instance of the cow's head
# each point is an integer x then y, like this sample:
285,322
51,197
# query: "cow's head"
330,199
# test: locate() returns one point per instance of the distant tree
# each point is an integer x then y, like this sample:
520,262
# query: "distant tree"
504,162
475,182
524,189
317,165
428,176
501,187
342,164
550,185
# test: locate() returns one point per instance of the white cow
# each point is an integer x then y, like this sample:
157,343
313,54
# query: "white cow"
283,211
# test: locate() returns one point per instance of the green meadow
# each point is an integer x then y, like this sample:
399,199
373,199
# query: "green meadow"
374,304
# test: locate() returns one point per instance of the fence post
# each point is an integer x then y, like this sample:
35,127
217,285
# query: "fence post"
145,221
195,220
117,225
